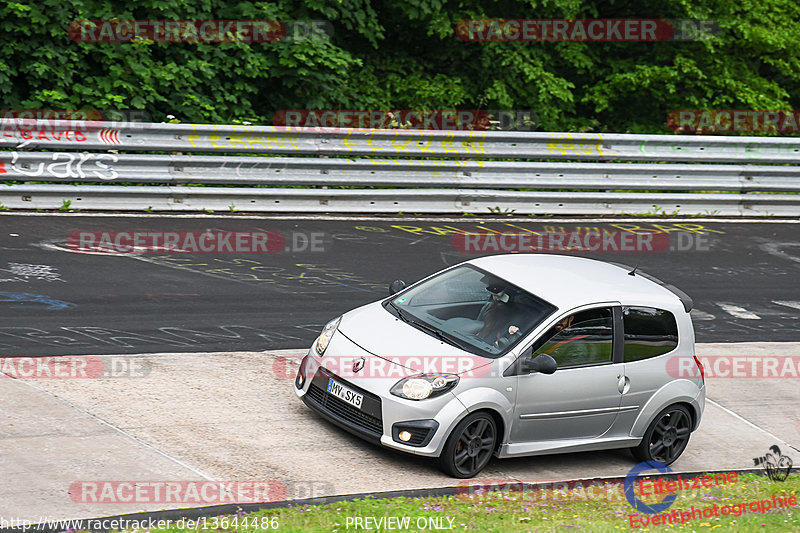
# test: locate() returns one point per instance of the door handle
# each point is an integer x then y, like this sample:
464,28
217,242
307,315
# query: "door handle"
624,384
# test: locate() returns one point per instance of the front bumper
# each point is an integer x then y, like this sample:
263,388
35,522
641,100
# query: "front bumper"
382,417
366,423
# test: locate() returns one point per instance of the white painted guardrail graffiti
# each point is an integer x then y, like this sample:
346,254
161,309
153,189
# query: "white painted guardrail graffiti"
391,170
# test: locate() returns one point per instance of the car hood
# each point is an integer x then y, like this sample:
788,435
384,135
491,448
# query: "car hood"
377,331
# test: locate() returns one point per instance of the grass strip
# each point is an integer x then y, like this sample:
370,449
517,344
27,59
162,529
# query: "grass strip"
599,507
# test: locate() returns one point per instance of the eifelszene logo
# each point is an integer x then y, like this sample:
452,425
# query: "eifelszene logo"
630,483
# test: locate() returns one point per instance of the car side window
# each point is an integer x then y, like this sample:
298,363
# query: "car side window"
585,338
649,332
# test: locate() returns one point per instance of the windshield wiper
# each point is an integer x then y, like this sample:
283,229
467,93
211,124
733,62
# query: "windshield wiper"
436,332
403,317
441,335
410,320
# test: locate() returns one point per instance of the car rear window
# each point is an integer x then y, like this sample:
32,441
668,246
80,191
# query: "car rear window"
649,332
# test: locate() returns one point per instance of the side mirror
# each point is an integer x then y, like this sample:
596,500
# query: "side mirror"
542,363
396,286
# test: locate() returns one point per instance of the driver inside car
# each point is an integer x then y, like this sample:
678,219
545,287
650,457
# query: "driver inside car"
582,338
499,317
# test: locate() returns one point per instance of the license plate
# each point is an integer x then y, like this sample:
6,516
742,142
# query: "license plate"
344,393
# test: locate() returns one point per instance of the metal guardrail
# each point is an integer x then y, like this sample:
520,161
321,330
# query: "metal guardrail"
417,171
133,136
224,199
282,171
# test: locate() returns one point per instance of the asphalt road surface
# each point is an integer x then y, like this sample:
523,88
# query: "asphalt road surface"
68,287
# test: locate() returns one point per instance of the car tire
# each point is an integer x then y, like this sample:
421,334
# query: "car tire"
470,446
666,437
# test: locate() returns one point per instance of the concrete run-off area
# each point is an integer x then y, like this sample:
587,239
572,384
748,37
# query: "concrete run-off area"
193,418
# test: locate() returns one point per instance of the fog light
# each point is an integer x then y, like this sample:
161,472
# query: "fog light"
300,381
414,432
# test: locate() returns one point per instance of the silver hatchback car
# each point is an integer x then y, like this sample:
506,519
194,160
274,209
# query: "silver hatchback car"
514,355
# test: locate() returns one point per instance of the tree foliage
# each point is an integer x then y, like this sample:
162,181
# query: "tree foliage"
404,54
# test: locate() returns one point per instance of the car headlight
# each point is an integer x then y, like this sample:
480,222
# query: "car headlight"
424,386
325,337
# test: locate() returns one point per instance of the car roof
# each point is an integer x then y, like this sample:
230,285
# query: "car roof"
569,281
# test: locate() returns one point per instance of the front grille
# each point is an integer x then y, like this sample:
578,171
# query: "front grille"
344,411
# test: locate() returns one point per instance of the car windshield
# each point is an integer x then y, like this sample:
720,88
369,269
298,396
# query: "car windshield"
472,309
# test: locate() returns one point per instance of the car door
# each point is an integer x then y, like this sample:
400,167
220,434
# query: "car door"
582,398
650,335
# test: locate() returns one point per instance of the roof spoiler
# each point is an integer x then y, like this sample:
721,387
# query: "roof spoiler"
686,300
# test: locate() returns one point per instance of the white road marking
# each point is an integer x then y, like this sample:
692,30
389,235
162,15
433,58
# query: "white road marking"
793,305
739,312
58,247
778,250
739,417
696,314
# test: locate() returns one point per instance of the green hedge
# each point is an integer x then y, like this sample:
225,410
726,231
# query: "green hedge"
402,54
